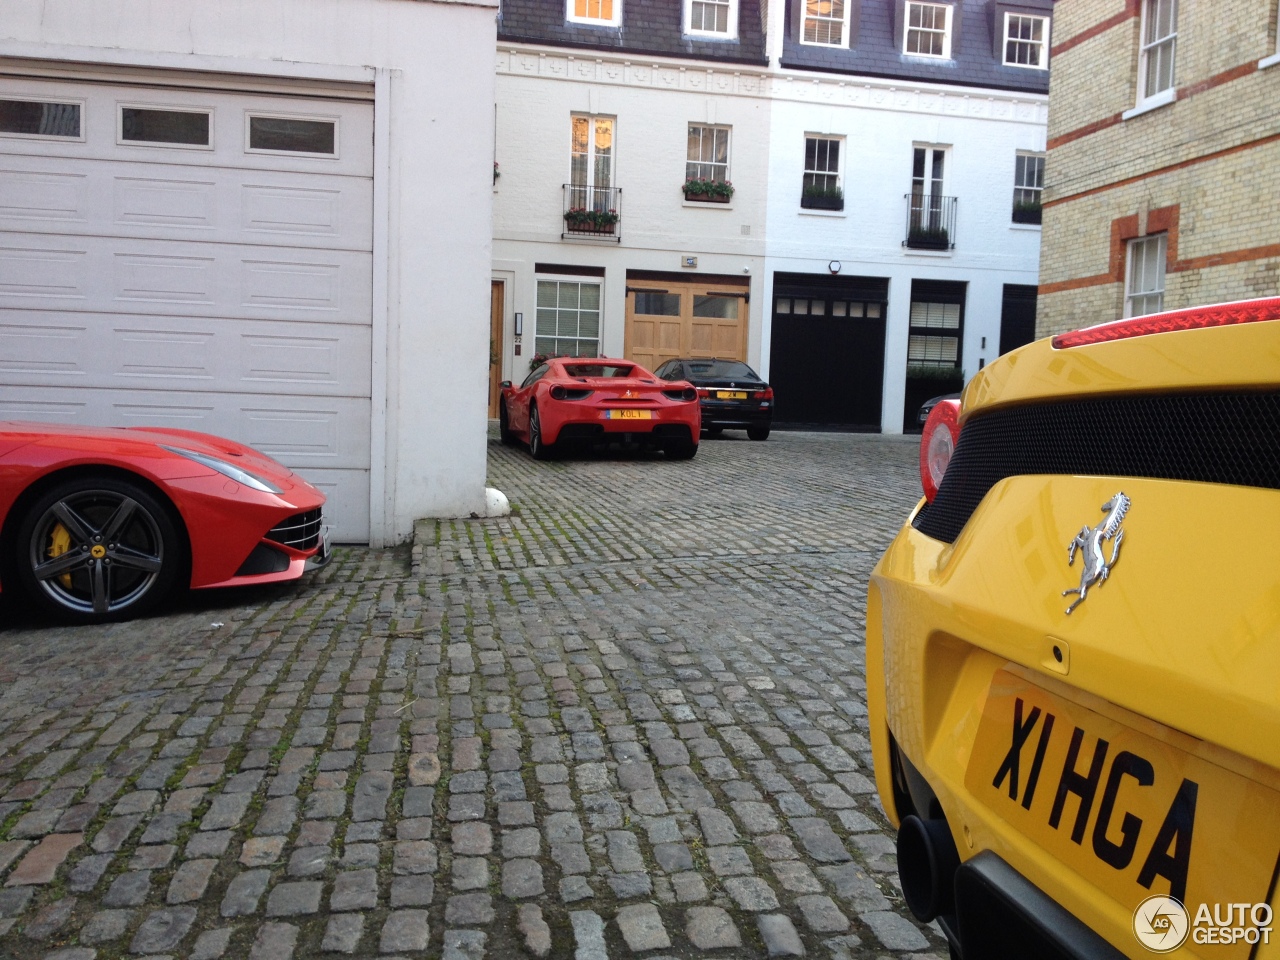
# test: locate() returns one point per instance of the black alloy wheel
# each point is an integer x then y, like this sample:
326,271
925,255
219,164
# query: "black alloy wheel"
98,548
758,433
504,425
538,449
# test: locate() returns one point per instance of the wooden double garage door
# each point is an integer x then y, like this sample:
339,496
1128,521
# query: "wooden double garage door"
671,317
193,257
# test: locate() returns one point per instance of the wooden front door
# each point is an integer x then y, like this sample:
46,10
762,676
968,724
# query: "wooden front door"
666,320
496,340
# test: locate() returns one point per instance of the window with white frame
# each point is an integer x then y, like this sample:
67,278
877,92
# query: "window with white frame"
1144,276
599,12
1026,41
934,335
568,321
826,23
928,30
1159,43
711,18
708,153
823,185
591,164
1028,184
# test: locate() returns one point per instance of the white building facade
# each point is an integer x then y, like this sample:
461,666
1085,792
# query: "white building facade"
265,219
871,250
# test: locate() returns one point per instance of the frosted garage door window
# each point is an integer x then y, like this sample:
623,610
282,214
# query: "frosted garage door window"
147,125
568,318
293,135
37,118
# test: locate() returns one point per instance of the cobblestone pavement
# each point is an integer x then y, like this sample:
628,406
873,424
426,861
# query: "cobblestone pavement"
628,720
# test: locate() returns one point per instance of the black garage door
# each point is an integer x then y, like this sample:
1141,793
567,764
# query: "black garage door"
827,350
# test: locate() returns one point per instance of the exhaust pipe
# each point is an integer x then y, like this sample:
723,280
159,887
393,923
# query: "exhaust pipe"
927,864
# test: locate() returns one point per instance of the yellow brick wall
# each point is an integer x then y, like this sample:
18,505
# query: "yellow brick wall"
1227,204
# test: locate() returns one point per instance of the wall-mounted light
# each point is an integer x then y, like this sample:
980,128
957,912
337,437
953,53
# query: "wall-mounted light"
834,266
519,331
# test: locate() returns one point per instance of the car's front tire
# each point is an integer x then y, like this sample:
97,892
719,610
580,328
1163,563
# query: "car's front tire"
538,449
758,433
504,425
98,548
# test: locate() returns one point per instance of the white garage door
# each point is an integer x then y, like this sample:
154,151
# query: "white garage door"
178,254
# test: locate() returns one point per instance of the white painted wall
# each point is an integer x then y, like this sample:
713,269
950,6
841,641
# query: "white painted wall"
882,122
431,64
539,90
771,110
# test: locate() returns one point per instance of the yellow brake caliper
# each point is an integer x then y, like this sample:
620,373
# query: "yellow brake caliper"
60,543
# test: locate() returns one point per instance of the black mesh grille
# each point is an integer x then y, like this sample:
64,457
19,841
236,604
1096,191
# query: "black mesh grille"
301,531
1231,438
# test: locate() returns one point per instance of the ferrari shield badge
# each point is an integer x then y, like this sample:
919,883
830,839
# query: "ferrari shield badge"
1089,541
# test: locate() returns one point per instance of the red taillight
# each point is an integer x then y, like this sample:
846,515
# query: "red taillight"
765,394
941,433
1194,318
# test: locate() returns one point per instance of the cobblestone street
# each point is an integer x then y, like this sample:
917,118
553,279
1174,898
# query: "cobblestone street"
628,720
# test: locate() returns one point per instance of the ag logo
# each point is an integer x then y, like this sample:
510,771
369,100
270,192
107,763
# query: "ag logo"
1161,924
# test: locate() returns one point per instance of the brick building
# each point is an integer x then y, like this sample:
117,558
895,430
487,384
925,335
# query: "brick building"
1163,135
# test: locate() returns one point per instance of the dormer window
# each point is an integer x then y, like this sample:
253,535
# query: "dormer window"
826,23
600,13
713,19
1026,41
928,30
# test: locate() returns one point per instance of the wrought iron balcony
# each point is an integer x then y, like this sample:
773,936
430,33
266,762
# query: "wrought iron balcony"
931,222
592,212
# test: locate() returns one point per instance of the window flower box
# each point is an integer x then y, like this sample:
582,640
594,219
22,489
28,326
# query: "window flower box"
1026,212
708,191
580,220
822,198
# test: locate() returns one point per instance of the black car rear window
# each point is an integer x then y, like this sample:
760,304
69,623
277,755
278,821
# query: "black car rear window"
597,370
720,368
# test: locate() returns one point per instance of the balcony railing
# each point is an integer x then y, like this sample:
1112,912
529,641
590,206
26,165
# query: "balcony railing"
931,222
592,212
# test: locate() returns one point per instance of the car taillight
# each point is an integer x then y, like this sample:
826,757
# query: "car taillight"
765,394
688,393
704,392
1194,318
941,433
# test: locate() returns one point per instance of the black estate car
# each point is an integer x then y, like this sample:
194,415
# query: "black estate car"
730,394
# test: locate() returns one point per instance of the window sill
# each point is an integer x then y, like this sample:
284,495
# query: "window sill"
815,212
1163,98
925,252
1270,61
1027,227
704,205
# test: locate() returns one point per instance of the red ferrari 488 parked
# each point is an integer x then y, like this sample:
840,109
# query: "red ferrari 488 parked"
577,401
100,523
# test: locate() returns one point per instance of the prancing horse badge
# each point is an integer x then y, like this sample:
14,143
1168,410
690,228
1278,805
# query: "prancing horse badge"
1089,540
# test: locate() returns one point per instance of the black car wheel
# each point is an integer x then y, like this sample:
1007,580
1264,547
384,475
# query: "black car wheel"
680,449
758,433
98,548
504,425
537,448
714,431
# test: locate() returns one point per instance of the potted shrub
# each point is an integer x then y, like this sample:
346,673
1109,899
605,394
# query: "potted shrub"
815,197
1026,211
929,238
708,191
582,220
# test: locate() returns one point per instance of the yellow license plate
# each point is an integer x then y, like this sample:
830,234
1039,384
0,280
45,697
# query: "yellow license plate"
731,395
629,414
1135,815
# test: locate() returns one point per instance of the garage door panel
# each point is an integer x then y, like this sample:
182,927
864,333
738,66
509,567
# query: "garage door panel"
299,431
228,127
83,197
207,279
219,355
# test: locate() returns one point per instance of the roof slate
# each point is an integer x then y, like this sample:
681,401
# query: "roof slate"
875,51
651,27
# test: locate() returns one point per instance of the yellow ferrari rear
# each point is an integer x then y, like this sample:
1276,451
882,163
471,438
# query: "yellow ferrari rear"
1073,651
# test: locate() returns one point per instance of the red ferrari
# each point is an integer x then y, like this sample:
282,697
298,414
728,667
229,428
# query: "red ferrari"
571,401
99,524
